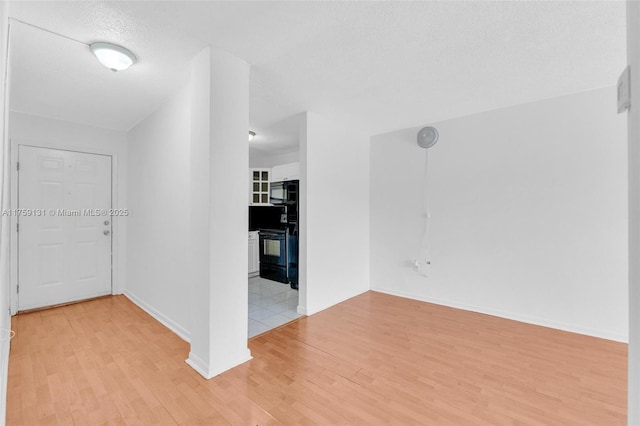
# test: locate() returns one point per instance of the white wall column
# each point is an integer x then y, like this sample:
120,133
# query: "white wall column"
633,123
334,213
218,212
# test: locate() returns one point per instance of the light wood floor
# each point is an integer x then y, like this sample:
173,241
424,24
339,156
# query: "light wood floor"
375,359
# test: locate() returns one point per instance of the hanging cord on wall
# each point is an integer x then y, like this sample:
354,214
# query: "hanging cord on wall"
423,261
427,138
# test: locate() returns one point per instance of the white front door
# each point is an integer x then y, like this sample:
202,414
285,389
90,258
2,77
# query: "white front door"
64,227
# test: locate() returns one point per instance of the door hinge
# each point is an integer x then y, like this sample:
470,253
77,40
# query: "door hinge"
17,227
18,166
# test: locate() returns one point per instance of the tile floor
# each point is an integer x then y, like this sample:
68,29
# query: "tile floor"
271,304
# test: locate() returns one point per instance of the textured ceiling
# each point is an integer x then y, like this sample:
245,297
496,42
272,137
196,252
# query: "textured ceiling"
56,77
378,66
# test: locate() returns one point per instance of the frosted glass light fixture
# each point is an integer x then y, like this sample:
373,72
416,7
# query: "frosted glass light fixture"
251,135
427,137
112,56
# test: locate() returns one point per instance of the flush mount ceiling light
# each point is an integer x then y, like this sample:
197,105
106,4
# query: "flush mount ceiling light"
112,56
251,135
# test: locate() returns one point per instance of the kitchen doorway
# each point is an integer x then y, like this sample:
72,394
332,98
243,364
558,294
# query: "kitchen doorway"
274,225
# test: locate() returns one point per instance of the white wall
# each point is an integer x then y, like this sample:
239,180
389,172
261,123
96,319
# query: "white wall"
199,202
5,260
528,209
633,134
4,168
260,159
51,133
334,216
158,194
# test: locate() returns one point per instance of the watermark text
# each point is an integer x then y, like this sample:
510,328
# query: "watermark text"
64,212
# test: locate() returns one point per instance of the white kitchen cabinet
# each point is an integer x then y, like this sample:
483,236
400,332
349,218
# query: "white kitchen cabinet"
254,253
285,172
259,186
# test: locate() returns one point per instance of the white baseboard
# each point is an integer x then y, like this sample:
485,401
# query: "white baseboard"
243,356
603,334
207,371
195,362
160,317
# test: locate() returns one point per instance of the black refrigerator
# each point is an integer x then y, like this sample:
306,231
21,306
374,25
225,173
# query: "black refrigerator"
286,194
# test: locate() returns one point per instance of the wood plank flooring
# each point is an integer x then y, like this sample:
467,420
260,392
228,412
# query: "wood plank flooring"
374,359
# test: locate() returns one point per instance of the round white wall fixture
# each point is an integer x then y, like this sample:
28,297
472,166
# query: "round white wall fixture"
427,137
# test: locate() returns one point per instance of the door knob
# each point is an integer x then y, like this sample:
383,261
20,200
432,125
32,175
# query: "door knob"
106,222
106,232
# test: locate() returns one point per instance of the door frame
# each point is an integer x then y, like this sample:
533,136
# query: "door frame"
116,240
